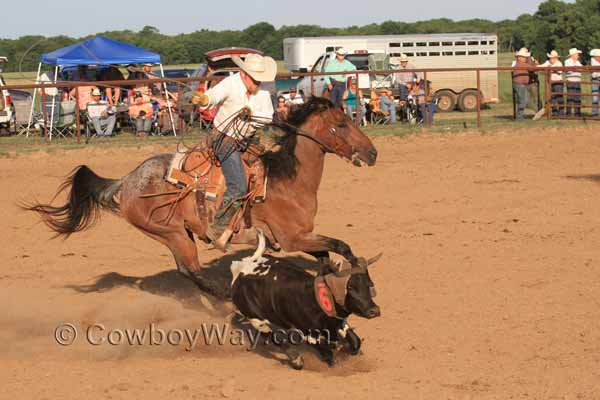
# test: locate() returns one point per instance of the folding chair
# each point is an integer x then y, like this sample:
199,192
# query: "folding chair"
60,117
378,116
22,108
380,62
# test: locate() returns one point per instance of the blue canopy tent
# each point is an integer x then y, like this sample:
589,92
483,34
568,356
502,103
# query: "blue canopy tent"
100,50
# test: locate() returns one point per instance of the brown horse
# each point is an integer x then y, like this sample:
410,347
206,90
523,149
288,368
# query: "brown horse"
286,216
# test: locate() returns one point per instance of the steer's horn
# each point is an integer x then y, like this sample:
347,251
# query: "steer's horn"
260,249
374,259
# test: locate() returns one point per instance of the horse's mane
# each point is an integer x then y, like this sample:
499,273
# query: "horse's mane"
283,162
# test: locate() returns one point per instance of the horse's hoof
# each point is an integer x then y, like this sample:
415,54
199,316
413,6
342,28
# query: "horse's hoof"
297,363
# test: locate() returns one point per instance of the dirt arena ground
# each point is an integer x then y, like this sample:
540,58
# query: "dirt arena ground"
489,284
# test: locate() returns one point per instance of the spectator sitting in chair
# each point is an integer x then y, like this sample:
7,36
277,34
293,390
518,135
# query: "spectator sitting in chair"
100,114
282,110
386,103
295,99
404,80
113,93
142,112
425,103
352,100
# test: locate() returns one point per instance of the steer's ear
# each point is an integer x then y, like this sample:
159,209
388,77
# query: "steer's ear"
373,260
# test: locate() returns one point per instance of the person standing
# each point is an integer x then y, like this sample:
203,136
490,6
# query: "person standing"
595,81
573,82
556,82
337,83
521,79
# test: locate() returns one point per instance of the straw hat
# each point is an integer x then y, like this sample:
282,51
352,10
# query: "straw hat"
524,52
96,92
341,51
595,53
574,51
403,57
261,69
553,54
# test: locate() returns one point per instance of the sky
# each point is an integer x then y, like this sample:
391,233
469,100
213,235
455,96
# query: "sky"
80,18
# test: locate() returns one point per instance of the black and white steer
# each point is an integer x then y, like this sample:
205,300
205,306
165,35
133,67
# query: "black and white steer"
274,296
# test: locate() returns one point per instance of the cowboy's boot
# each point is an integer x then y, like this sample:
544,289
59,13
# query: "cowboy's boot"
220,233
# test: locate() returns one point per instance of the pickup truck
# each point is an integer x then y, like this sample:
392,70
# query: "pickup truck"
360,61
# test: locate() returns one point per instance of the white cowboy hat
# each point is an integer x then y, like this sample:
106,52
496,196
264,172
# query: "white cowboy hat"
595,53
341,51
553,54
403,57
524,52
261,69
148,64
96,92
574,51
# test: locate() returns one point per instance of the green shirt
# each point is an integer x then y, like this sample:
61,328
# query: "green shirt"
336,66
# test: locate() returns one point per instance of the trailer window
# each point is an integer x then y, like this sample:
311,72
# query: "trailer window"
434,44
395,54
447,53
421,54
473,43
473,53
459,43
329,49
410,54
492,42
484,42
492,51
460,53
421,44
395,44
447,44
434,53
408,44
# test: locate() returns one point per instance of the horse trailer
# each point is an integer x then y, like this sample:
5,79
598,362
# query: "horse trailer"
426,51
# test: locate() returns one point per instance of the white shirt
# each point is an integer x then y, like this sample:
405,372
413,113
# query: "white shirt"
95,109
573,76
556,76
230,95
595,75
296,100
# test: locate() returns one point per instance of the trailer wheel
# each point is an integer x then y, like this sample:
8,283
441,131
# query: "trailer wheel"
467,101
446,101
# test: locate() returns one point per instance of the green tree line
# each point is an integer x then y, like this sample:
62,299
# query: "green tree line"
555,25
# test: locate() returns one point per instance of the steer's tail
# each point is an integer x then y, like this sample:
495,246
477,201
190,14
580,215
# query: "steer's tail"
88,195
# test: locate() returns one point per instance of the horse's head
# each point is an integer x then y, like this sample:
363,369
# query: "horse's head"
335,131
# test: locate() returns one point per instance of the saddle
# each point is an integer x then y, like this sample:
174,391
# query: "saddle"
198,171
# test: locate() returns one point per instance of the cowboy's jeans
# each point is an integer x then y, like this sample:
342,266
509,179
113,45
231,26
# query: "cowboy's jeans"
143,124
557,98
233,169
522,93
573,100
596,96
337,93
388,105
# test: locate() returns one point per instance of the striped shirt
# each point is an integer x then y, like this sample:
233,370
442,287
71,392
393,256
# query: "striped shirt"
573,76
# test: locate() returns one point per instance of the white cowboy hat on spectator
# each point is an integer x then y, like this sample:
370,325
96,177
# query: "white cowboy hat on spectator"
574,51
341,51
261,69
595,53
553,54
524,52
403,57
148,64
96,92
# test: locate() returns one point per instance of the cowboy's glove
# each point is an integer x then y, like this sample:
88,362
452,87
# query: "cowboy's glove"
246,114
200,99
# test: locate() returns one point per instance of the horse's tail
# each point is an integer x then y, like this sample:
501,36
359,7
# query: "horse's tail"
88,195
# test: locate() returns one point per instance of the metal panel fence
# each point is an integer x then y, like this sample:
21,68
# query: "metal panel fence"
545,89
